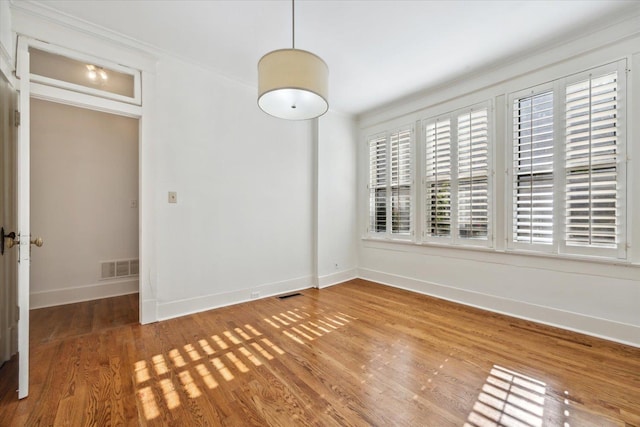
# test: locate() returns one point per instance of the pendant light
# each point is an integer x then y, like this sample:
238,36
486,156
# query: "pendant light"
293,83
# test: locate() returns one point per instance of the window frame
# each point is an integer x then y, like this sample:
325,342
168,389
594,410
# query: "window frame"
501,199
510,162
621,161
426,182
559,244
454,239
388,233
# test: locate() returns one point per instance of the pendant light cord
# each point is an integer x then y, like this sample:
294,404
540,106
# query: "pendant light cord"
293,24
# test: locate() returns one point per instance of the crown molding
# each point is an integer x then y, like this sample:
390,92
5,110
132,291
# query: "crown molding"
40,10
609,30
43,11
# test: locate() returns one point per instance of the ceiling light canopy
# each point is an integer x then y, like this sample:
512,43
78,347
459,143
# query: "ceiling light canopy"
293,83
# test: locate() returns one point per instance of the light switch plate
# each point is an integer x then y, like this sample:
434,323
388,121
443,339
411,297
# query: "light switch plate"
173,197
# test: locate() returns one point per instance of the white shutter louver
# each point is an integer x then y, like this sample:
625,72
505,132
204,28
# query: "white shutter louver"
401,178
591,171
533,165
378,184
438,178
473,170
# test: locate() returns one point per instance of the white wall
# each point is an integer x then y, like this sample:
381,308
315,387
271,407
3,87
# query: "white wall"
599,298
84,175
336,204
242,223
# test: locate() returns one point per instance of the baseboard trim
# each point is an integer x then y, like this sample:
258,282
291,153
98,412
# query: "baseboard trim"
82,293
172,309
601,328
336,278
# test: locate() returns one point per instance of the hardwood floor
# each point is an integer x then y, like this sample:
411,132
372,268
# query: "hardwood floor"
354,354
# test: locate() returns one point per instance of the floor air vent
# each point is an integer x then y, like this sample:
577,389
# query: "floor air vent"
289,296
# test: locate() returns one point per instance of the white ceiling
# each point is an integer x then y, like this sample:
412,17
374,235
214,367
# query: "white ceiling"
377,51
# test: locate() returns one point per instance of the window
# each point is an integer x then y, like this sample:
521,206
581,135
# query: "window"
567,175
378,184
591,161
390,183
456,181
473,174
533,143
438,178
565,163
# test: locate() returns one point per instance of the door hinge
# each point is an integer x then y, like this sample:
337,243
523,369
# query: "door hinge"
17,313
16,120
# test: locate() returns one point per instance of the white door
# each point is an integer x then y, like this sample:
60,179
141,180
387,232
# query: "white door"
9,253
24,232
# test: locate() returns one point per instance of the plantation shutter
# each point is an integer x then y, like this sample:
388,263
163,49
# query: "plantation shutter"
438,178
378,184
533,165
401,179
591,172
473,172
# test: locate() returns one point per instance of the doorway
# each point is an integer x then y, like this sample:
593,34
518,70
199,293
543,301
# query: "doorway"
84,202
86,82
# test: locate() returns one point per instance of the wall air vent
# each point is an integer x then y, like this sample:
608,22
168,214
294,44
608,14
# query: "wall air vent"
119,268
133,267
122,268
108,270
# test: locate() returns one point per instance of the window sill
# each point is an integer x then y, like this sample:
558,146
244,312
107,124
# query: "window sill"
412,243
520,253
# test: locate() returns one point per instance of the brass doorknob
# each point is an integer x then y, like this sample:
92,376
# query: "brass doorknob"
37,241
10,242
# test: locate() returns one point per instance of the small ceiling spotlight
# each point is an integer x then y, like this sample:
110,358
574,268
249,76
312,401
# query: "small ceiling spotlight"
97,74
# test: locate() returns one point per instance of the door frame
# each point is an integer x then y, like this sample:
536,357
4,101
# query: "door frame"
27,88
23,187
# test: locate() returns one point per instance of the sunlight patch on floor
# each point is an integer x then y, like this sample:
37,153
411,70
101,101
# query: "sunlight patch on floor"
141,371
302,327
198,366
171,397
169,379
508,398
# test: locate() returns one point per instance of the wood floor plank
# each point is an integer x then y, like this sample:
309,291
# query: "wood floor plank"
355,354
